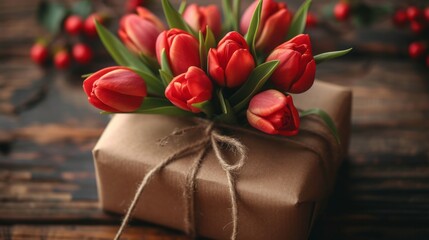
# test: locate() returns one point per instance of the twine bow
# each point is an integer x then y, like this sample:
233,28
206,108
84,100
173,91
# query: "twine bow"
211,138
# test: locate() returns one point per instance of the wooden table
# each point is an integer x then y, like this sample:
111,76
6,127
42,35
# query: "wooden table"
47,131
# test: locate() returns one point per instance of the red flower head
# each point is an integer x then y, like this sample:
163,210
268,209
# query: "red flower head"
139,32
181,48
231,63
198,17
297,67
115,89
273,27
274,113
189,88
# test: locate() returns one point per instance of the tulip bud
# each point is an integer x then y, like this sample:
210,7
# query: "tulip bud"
181,48
273,26
297,68
139,32
189,88
115,89
198,17
274,113
231,63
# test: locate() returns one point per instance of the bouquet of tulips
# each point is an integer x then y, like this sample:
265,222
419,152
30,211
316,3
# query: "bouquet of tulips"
240,72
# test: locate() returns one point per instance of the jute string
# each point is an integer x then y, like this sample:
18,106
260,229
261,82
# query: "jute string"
211,138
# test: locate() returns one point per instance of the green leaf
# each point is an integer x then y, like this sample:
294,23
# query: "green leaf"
152,82
298,22
252,32
166,77
182,7
86,75
51,15
330,55
206,107
174,18
227,115
326,118
210,40
118,51
202,50
153,105
82,8
253,85
151,62
227,15
236,4
165,66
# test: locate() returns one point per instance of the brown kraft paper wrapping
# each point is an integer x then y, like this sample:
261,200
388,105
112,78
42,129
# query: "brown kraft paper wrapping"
280,188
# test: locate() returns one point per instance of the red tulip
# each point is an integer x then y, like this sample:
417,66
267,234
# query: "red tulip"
297,67
115,89
139,32
198,17
181,48
231,63
273,27
274,113
189,88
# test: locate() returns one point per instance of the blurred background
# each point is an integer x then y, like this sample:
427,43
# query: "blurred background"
47,127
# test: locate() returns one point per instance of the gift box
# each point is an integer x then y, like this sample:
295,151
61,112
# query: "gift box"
281,187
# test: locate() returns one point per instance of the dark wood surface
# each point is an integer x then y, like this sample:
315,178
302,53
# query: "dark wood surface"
47,131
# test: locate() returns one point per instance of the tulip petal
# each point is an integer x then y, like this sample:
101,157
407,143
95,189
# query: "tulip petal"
234,37
172,93
184,52
274,30
267,102
192,16
213,18
198,82
100,105
123,81
148,15
288,69
215,70
88,83
302,39
142,33
161,44
121,102
306,80
260,123
239,68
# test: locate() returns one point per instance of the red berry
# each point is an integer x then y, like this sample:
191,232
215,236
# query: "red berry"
311,20
89,25
62,59
39,53
82,53
400,18
426,14
342,11
73,25
413,13
416,49
417,27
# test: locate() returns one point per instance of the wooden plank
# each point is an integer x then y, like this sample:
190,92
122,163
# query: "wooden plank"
65,232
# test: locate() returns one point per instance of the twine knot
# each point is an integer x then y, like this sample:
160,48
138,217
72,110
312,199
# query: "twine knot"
211,138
